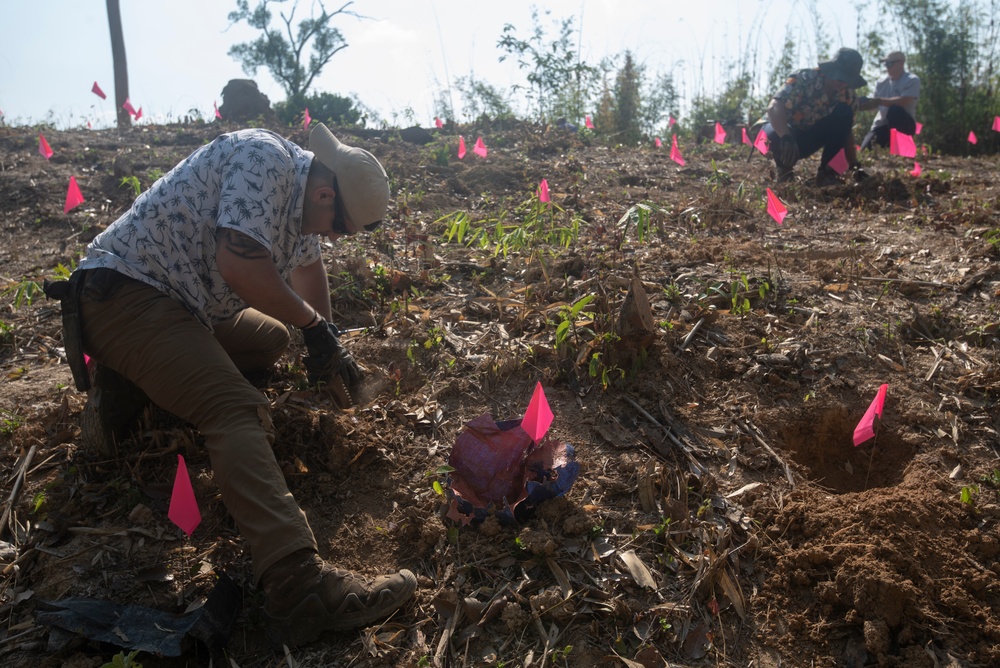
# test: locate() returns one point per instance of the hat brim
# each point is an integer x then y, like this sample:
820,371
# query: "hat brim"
830,70
362,179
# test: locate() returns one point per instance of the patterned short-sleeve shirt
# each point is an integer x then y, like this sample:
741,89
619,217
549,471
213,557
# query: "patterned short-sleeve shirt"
806,101
253,181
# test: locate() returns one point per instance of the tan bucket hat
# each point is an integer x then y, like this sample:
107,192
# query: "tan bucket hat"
364,185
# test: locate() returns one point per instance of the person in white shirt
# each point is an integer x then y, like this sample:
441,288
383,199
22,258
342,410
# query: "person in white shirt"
896,97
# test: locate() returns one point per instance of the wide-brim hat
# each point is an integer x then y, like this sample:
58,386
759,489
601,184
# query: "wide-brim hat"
845,66
363,183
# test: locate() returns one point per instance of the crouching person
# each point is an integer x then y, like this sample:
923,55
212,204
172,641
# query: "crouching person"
185,296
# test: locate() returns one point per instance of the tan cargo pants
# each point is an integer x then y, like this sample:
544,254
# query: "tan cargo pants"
156,343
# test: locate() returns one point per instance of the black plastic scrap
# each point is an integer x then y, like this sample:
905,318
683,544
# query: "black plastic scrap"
136,627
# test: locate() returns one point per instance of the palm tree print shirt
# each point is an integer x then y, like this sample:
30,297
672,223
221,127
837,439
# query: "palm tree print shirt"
252,181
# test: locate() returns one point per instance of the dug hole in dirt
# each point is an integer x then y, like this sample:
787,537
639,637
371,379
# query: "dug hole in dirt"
722,515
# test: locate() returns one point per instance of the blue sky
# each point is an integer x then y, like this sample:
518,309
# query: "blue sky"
52,51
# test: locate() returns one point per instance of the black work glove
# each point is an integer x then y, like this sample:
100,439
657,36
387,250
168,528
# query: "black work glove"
328,356
788,150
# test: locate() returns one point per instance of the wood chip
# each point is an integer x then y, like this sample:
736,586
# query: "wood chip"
638,570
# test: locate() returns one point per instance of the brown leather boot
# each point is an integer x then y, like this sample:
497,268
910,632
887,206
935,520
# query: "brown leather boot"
305,596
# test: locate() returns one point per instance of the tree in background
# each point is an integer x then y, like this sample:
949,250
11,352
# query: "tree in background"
283,54
121,66
561,84
480,98
732,103
634,109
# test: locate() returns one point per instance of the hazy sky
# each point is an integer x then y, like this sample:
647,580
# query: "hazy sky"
52,51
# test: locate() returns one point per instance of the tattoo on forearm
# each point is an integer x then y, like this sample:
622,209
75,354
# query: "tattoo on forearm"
241,245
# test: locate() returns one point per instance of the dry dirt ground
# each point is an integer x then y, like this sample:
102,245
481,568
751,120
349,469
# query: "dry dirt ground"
722,515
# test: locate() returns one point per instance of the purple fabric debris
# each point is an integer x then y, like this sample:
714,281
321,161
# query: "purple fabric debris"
499,470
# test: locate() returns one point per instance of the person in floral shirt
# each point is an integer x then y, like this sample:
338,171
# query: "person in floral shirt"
187,294
815,110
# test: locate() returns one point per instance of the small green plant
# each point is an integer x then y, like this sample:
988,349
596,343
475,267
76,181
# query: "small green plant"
568,315
969,494
131,182
9,422
37,502
155,174
993,479
121,660
561,654
441,156
440,471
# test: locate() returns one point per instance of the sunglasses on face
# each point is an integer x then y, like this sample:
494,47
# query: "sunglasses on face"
890,63
340,218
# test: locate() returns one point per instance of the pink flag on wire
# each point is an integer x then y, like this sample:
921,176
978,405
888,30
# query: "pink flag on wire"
587,122
96,90
657,143
128,107
480,148
920,126
839,162
183,506
88,125
461,147
138,113
760,143
675,153
672,122
215,105
538,416
746,137
775,208
866,428
972,137
306,119
437,123
901,144
74,197
996,123
720,134
43,147
543,191
916,169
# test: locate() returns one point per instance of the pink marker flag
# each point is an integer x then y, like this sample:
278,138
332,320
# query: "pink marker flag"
920,126
589,123
43,147
480,148
437,123
96,90
866,428
720,134
775,208
128,107
996,123
215,105
461,147
74,197
839,162
183,506
657,143
306,119
916,169
746,137
675,153
672,122
902,144
972,137
538,416
760,143
138,114
543,191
